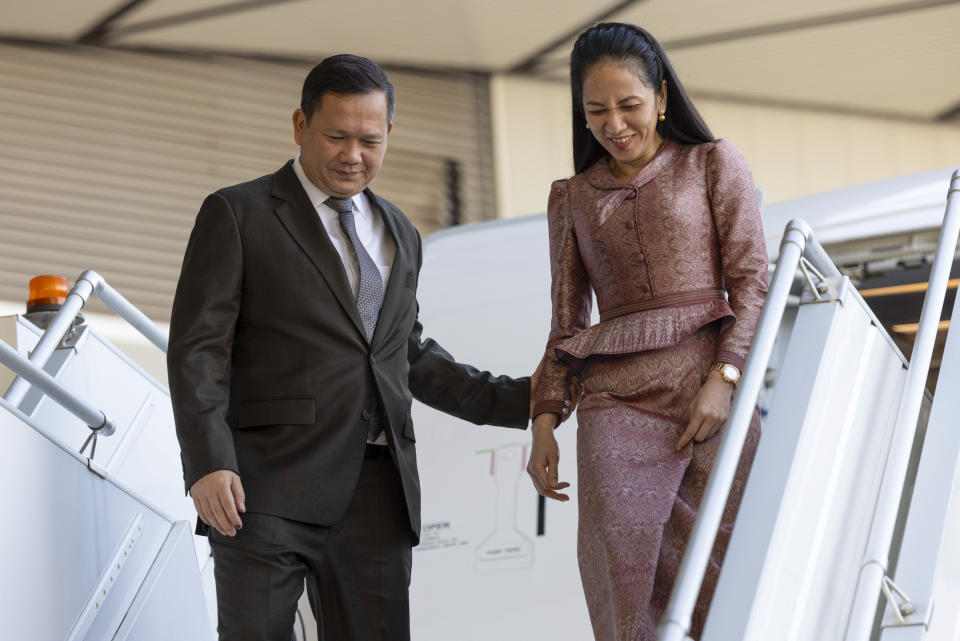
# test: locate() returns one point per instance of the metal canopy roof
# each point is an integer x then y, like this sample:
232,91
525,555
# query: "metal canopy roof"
887,58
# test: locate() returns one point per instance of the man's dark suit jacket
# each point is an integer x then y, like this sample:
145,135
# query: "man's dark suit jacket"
269,368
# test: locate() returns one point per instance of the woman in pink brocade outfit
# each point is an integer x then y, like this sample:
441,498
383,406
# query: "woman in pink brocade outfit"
661,222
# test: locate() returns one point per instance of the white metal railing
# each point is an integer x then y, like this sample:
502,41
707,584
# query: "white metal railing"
877,554
32,374
929,539
799,250
797,244
88,284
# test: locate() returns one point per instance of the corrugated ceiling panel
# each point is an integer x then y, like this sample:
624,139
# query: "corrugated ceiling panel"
105,156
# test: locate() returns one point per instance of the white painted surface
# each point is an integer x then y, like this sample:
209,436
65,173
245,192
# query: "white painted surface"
65,525
484,296
170,603
793,560
143,453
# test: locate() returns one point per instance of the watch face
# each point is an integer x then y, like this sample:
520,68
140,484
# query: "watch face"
730,372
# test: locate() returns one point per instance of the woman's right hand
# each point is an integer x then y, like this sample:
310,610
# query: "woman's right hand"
544,457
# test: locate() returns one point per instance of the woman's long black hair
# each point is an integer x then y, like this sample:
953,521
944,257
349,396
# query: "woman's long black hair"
634,46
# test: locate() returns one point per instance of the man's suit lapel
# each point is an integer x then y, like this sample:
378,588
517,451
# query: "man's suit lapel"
298,216
390,309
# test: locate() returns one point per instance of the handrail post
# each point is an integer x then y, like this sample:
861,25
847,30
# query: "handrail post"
89,283
51,337
675,624
877,554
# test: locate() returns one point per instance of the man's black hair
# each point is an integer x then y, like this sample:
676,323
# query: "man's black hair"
344,74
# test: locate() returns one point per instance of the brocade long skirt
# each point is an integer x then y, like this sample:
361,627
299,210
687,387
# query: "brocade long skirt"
638,496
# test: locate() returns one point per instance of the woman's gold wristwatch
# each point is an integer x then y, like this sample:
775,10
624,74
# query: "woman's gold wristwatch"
729,373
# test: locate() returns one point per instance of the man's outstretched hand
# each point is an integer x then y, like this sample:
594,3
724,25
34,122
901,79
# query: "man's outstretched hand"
219,500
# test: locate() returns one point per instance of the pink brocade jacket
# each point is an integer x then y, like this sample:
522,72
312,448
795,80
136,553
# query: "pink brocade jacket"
664,254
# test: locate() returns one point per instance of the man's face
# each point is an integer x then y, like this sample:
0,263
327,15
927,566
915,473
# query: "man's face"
342,145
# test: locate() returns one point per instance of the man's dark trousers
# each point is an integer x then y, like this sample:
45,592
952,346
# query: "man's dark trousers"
357,571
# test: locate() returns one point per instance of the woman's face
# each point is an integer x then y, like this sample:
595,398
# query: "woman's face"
622,113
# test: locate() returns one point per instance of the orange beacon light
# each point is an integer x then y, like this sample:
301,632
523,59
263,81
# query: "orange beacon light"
47,293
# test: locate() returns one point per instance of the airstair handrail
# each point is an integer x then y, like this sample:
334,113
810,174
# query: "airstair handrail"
799,249
88,284
877,554
95,419
797,245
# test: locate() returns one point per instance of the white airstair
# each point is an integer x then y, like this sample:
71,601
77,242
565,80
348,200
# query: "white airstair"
825,492
838,504
852,495
98,542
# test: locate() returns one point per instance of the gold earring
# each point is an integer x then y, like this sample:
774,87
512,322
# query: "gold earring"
662,116
588,125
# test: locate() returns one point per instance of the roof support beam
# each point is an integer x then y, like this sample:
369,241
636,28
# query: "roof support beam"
777,27
805,23
953,113
191,16
98,32
533,62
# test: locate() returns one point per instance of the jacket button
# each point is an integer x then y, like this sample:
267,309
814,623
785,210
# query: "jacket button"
373,360
365,415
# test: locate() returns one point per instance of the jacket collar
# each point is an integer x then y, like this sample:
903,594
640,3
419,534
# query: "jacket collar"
298,215
601,177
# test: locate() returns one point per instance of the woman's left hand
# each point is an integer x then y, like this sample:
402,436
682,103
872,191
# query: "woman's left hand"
709,411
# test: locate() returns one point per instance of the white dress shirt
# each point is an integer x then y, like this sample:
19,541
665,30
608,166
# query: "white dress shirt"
371,230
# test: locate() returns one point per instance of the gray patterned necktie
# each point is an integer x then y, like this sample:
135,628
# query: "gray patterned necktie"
369,294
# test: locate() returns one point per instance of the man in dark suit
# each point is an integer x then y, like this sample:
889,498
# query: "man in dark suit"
295,351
